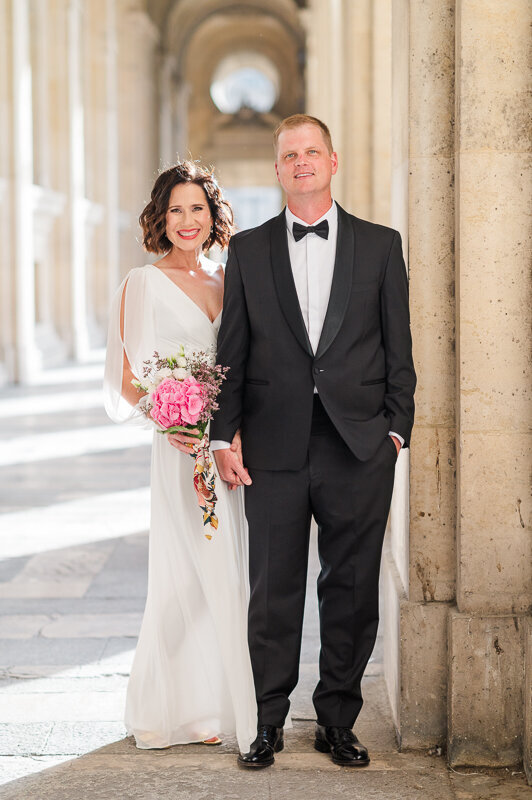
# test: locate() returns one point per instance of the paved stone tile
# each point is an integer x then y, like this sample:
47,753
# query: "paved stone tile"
111,583
76,523
74,605
498,785
23,739
22,626
16,768
10,567
63,683
77,706
130,554
83,476
15,652
94,414
42,447
80,626
67,572
118,650
33,587
96,669
77,738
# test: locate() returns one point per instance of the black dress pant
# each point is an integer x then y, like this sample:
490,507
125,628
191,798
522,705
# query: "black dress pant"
349,500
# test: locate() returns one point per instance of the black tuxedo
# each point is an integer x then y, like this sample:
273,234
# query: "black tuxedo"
326,455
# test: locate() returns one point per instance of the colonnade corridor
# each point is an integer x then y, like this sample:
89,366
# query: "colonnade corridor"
75,500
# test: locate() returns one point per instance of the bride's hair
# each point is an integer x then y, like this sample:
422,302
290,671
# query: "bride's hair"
153,218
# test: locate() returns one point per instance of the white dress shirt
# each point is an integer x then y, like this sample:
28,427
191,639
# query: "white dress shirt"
312,260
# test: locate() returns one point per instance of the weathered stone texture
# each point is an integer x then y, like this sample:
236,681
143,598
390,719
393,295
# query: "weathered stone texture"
423,674
485,690
527,749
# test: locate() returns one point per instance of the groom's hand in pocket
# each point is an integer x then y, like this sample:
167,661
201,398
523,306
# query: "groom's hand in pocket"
230,466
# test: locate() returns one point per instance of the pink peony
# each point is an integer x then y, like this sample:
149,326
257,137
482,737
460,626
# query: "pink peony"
177,402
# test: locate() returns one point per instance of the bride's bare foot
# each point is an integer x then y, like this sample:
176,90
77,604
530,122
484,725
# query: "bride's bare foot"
212,740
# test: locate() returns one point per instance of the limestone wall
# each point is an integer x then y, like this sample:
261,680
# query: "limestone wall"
440,129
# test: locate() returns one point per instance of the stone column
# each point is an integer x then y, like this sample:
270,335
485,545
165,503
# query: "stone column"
381,122
77,202
419,564
356,102
28,362
138,38
339,47
167,110
394,573
102,164
7,272
494,591
432,554
47,204
112,209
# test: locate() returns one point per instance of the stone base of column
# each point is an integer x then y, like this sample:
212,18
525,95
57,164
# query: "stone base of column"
486,686
423,675
527,750
415,663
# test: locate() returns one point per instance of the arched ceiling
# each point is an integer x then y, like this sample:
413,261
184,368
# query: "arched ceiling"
160,10
186,17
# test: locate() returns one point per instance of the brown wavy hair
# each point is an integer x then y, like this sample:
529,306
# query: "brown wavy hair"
153,218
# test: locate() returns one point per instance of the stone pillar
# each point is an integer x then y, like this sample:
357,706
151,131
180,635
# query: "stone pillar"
102,164
394,574
167,110
494,590
356,105
527,749
138,38
112,209
27,357
47,204
7,272
339,48
77,202
432,554
381,122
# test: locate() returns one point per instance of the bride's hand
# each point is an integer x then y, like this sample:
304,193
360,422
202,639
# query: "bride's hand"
183,442
236,444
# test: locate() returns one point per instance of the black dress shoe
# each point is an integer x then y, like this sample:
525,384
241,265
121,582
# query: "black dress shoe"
342,744
269,741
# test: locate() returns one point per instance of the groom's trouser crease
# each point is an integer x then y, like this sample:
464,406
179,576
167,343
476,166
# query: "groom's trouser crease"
349,500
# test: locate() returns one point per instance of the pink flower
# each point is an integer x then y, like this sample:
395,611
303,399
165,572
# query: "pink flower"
193,400
177,402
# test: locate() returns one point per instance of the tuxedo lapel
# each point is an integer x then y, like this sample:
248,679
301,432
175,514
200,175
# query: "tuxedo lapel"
284,282
341,283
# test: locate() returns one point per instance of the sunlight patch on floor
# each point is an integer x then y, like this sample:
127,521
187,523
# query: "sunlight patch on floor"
75,522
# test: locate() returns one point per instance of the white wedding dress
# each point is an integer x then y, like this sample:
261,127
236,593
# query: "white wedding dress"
191,677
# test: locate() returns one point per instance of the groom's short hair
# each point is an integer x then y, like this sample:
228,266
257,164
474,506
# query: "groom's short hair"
295,121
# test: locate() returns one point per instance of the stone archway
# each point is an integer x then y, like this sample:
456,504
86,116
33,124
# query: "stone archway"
198,41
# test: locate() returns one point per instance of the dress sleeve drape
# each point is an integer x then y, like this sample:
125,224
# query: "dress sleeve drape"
137,344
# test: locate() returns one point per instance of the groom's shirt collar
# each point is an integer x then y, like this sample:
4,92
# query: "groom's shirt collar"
331,216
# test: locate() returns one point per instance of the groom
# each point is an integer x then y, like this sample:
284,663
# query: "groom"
316,333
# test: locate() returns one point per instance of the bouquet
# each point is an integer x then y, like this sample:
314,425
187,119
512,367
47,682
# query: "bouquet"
181,394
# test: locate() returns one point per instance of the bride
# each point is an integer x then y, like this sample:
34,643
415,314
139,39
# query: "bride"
191,677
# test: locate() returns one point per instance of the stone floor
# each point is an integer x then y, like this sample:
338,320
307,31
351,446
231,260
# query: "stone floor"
73,541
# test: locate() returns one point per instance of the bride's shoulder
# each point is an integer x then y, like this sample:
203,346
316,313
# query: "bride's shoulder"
139,273
136,277
213,267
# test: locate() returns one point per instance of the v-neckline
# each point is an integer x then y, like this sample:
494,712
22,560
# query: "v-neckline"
204,313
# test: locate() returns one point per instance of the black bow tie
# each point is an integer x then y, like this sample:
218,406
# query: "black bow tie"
322,229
